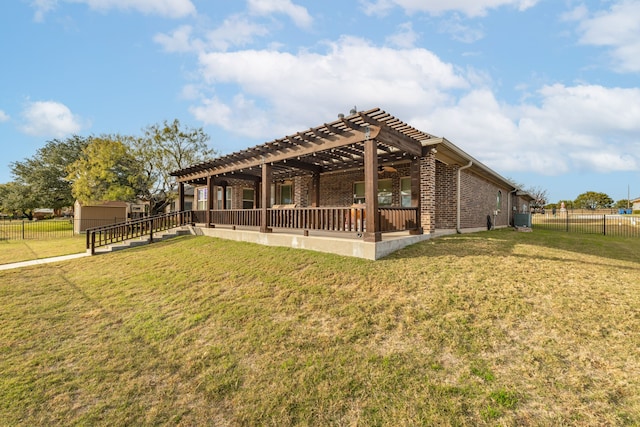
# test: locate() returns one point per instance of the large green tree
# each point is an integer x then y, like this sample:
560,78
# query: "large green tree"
107,170
17,199
45,174
593,200
164,148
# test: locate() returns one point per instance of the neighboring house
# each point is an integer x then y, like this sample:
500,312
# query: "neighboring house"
363,176
188,201
635,204
98,214
43,213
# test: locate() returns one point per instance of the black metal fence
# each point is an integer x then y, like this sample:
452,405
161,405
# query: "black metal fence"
608,225
47,229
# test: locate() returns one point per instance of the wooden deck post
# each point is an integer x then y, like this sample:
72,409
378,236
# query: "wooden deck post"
209,199
265,198
415,192
180,206
315,190
372,220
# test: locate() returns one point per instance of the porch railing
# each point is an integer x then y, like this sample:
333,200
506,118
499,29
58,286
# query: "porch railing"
114,233
339,219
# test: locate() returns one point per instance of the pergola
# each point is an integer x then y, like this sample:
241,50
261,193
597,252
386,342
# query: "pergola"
367,140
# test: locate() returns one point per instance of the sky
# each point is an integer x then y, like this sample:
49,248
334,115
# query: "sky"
544,92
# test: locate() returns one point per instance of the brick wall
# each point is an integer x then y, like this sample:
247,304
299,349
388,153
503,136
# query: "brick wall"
428,193
446,195
479,199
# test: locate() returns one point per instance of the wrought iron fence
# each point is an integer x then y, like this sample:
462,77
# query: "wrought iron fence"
608,225
48,229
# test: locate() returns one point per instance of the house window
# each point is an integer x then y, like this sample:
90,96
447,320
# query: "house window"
219,198
229,193
405,192
385,192
358,192
247,198
286,194
499,201
201,196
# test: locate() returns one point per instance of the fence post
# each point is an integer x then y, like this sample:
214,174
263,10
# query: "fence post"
22,229
566,214
604,225
93,243
150,230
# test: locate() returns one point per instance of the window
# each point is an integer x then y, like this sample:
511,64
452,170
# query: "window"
201,196
286,194
247,198
499,200
385,192
219,198
405,192
358,192
229,193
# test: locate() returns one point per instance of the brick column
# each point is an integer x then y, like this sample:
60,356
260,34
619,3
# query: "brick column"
428,192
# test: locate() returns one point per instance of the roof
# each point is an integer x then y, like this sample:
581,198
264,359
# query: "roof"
334,146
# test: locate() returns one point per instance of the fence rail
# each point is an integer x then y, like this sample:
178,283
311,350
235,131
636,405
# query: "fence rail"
608,225
341,219
49,228
109,234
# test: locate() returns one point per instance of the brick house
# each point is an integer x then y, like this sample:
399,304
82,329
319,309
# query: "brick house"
368,183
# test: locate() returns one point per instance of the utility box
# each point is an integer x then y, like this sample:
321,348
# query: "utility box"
522,220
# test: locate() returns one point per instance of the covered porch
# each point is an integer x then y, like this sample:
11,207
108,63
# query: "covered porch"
361,177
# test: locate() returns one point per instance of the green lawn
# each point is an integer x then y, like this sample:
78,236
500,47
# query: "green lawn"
492,328
24,250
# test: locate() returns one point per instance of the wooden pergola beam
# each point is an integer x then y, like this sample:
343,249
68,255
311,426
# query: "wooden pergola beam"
305,148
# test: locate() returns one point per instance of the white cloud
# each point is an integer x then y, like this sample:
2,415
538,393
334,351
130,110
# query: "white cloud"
618,29
405,37
168,8
571,128
459,31
298,14
4,117
235,31
470,8
179,40
299,88
49,118
265,94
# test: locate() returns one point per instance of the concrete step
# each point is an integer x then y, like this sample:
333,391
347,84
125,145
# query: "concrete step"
144,240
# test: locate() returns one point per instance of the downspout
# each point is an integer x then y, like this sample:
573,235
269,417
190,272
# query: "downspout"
509,211
459,197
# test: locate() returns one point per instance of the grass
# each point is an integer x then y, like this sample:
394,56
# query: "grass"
493,328
24,250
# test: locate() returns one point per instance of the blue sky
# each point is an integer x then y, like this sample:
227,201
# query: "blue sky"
545,92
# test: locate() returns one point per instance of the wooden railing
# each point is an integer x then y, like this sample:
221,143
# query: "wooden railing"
114,233
325,219
399,219
346,219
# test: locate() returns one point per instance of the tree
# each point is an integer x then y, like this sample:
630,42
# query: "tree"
107,170
624,203
45,173
165,148
593,200
539,197
17,199
568,204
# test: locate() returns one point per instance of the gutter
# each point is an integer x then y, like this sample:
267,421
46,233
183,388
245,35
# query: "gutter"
459,197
